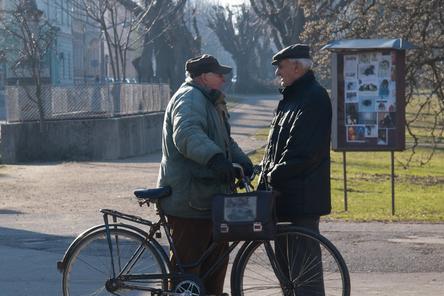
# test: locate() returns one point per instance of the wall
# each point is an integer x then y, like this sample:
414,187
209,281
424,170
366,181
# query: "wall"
82,139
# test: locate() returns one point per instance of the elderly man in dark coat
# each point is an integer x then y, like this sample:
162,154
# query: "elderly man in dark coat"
296,164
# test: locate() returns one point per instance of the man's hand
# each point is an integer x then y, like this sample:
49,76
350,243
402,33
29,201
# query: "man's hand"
223,168
248,168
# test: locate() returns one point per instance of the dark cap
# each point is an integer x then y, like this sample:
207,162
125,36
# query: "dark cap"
204,64
295,51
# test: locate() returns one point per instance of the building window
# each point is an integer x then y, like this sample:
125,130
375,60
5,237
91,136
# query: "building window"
58,10
62,65
60,6
69,66
69,12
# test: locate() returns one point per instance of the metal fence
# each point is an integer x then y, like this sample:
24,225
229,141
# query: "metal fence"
84,101
2,105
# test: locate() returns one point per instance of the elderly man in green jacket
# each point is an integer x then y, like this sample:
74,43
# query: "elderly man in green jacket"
197,156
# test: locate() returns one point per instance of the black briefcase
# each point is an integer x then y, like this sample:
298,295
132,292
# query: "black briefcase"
244,216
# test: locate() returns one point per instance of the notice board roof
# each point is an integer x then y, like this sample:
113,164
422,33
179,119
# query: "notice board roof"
398,43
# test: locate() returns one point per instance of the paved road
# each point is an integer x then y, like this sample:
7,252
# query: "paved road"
43,207
391,258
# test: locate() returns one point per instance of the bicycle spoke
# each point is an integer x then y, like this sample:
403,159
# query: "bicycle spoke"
99,290
251,271
255,290
91,266
88,272
261,288
308,264
132,260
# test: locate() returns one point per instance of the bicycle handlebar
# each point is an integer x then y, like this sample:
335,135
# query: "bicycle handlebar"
152,195
245,181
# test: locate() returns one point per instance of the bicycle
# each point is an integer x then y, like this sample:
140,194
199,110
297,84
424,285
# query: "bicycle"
122,259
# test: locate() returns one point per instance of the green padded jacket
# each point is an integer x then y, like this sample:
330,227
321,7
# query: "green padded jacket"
193,132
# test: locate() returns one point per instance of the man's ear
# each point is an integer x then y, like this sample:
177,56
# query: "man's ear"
297,68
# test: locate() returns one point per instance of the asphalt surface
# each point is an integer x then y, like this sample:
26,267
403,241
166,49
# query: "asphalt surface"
44,206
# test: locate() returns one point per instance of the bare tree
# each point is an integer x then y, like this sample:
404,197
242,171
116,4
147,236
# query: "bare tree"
166,40
241,34
286,18
174,47
26,40
125,24
420,22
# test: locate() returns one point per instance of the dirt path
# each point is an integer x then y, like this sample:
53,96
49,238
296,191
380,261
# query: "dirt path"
43,206
64,198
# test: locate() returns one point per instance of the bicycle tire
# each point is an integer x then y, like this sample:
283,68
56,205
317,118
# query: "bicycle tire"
88,268
255,274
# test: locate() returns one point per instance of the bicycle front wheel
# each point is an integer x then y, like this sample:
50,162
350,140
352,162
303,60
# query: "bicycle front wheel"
298,262
134,268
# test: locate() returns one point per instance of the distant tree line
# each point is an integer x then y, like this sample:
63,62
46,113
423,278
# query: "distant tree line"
419,22
168,32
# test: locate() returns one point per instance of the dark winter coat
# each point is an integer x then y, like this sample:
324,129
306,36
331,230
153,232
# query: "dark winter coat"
297,158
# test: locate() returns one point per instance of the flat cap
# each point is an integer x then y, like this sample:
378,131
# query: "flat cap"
295,51
205,63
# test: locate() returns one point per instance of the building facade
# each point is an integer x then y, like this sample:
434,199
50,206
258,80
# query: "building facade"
76,56
79,54
87,49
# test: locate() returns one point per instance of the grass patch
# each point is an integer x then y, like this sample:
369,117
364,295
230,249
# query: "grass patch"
262,134
430,120
419,190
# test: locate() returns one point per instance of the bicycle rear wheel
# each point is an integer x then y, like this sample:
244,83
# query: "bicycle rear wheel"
89,269
298,262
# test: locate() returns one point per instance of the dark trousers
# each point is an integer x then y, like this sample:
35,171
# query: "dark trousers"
191,238
300,259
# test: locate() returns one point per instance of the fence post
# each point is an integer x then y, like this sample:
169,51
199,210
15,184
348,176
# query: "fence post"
344,168
392,156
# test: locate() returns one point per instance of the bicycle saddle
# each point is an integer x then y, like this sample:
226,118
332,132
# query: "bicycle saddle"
154,193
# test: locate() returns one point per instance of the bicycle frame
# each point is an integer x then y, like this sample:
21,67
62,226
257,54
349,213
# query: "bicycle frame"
154,228
121,279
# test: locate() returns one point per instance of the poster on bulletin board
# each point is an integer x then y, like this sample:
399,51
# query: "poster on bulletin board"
368,92
370,97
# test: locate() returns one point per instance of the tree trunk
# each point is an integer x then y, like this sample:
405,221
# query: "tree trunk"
243,82
144,64
172,50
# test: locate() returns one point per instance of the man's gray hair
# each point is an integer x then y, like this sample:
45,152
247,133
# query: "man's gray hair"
188,77
305,63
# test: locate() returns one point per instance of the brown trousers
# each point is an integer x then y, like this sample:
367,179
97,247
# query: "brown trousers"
192,237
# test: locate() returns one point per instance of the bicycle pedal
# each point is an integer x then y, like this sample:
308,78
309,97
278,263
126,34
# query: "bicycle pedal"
158,235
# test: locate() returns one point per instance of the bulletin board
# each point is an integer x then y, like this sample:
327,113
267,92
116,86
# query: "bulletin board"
368,100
